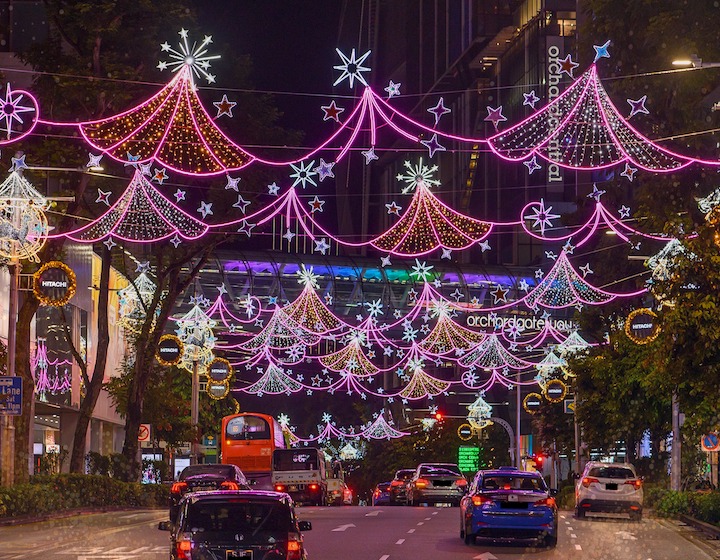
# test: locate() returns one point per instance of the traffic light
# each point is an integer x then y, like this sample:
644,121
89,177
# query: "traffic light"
539,461
439,416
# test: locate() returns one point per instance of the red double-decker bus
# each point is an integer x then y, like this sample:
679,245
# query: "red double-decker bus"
248,441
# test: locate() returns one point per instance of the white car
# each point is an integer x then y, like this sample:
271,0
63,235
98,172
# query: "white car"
610,488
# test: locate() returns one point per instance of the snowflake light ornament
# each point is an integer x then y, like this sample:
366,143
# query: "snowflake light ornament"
307,277
194,57
540,215
11,109
417,174
351,68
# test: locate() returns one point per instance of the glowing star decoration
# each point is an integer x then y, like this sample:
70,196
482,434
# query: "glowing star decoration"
422,270
540,215
273,189
232,183
416,175
316,205
13,108
369,155
93,161
495,116
637,106
224,107
195,58
307,278
393,208
331,112
530,99
160,176
532,165
601,137
601,51
18,163
499,295
439,110
103,197
586,270
205,209
629,172
142,214
433,145
392,89
567,66
242,204
172,127
325,170
351,68
428,225
23,224
321,246
624,212
303,174
596,193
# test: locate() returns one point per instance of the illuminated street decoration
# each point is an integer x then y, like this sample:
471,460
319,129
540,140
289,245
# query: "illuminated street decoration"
491,354
55,381
274,381
54,284
23,224
479,413
15,108
195,330
133,301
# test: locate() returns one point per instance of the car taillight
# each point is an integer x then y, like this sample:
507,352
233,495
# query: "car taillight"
182,548
421,483
314,487
178,487
461,482
549,501
279,488
294,548
635,483
481,500
397,483
588,480
229,485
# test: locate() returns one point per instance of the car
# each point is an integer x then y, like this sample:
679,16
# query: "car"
398,486
509,504
203,478
347,496
381,494
435,483
237,524
609,488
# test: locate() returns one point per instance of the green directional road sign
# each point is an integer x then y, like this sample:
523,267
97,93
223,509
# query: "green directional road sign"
468,458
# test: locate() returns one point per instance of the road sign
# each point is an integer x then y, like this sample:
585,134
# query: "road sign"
209,441
465,432
468,458
10,396
710,442
144,432
569,406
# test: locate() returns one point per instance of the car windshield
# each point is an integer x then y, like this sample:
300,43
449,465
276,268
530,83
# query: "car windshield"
404,475
514,483
195,470
443,470
611,472
238,516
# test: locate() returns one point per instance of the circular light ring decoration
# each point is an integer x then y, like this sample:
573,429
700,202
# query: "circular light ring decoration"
181,350
212,370
218,390
654,332
71,284
558,385
529,400
15,107
461,432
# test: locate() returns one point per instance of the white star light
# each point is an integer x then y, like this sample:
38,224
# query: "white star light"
542,216
10,110
303,174
205,209
321,245
374,307
273,189
351,68
307,277
421,270
195,57
417,174
93,161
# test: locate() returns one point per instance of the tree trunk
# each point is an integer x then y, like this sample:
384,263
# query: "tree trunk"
92,391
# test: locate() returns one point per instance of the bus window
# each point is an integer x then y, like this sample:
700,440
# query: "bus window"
247,427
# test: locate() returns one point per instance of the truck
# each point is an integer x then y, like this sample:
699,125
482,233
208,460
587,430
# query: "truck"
302,473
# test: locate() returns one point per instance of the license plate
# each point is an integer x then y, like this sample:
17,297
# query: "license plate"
292,488
238,555
512,498
611,486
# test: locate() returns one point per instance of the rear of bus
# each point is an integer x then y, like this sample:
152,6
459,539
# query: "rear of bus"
248,441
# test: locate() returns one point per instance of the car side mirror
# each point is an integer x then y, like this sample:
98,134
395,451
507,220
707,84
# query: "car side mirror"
553,491
305,525
165,526
577,476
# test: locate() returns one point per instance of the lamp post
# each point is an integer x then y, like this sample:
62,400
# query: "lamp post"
694,61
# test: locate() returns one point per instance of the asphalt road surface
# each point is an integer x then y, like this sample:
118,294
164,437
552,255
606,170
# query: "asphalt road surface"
364,533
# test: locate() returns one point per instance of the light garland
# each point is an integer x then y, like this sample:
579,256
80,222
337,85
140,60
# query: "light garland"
175,361
655,331
69,288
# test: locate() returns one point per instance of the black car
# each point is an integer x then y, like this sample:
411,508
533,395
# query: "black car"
198,478
398,486
435,483
237,524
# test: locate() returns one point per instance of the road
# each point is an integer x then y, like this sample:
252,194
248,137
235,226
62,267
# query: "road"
362,533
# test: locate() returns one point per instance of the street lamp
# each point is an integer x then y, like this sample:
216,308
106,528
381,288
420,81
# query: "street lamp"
694,61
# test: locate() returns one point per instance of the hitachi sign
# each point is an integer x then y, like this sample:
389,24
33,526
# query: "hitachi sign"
523,323
54,283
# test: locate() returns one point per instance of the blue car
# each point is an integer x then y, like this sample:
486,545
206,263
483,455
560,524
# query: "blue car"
509,504
381,494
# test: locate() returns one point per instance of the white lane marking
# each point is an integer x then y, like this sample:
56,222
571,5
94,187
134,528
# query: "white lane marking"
421,523
385,557
400,541
485,556
626,535
373,513
411,531
567,523
434,512
562,517
428,518
573,536
343,528
578,547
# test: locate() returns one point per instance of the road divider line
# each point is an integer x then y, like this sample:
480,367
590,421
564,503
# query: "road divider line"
385,557
400,541
428,518
421,523
578,547
411,531
573,536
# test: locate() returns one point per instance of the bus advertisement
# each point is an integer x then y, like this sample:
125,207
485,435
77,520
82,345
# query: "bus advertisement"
248,441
